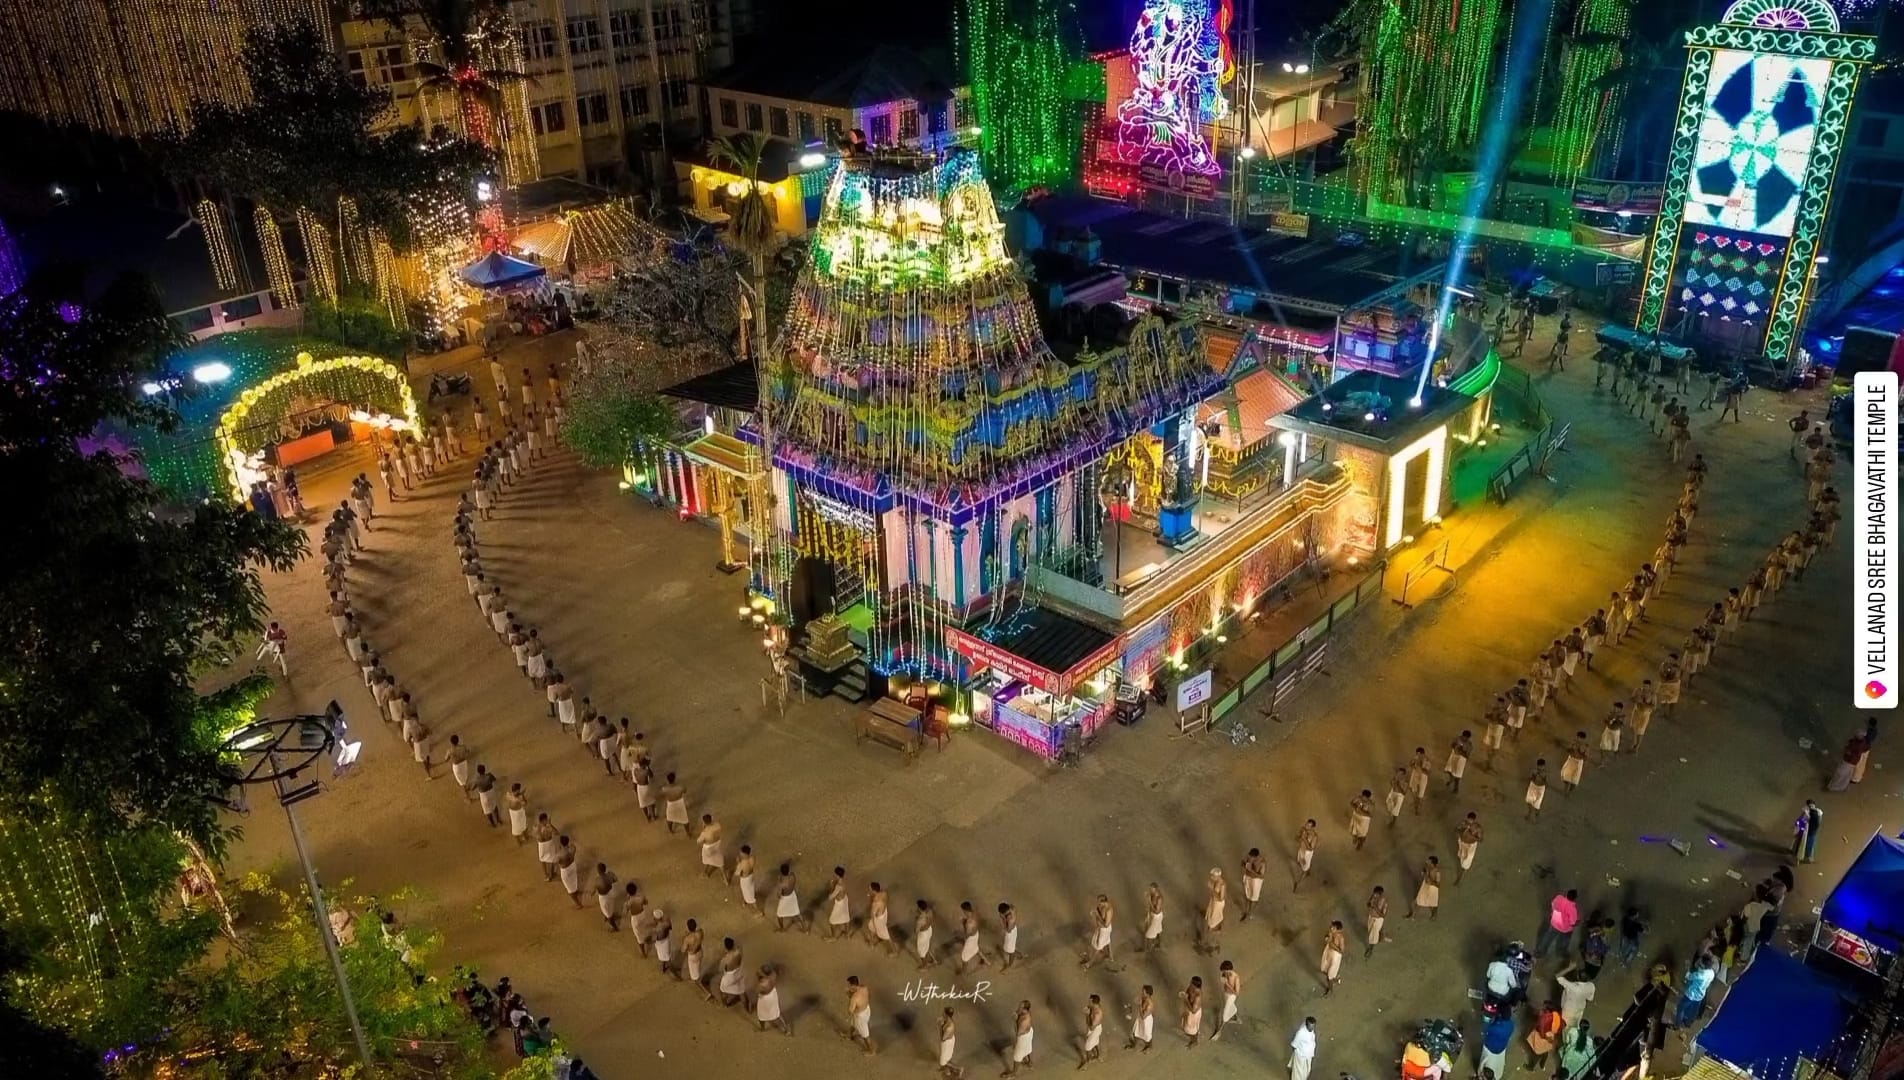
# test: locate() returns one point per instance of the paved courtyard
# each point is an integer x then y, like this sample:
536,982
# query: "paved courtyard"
632,608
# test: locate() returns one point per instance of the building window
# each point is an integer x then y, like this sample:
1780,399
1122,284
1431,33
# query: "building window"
548,119
879,129
806,127
908,124
676,93
626,29
354,63
754,122
389,62
585,35
730,113
538,40
1873,131
634,102
835,131
777,122
591,109
670,25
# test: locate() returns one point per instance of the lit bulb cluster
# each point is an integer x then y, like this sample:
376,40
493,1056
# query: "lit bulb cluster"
1428,74
318,260
211,223
1588,106
241,466
354,243
383,262
1178,54
1018,63
277,265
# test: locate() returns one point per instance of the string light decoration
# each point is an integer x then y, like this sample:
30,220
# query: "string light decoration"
491,44
251,423
383,262
277,265
211,225
319,264
1018,58
12,266
1763,112
1180,57
353,243
912,395
1426,77
1587,108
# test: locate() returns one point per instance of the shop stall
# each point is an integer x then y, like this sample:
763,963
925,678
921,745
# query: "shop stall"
1861,926
1037,679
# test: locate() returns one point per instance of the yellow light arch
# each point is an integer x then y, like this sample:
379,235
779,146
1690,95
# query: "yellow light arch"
307,366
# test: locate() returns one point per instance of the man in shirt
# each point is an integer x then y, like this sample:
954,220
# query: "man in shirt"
1302,1050
1575,995
1563,914
1692,1000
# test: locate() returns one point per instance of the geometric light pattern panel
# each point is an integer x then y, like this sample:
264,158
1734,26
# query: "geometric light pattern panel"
1755,141
1728,275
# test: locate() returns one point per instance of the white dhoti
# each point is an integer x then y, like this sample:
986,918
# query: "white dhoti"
1571,769
678,811
767,1008
747,889
460,770
1428,896
841,914
538,665
1153,926
1457,766
788,907
1229,1008
1214,917
1101,938
644,795
968,951
946,1047
1253,888
1305,858
545,850
1375,924
518,821
565,711
863,1023
338,624
1331,963
572,878
1516,716
1011,942
1358,827
1141,1028
1299,1067
1610,740
1395,801
1093,1037
664,950
1464,853
1536,794
487,800
499,620
922,945
731,982
694,966
420,749
606,901
711,855
1021,1047
1193,1022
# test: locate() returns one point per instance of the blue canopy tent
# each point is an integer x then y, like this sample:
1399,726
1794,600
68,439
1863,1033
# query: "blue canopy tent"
1777,1011
501,273
1861,927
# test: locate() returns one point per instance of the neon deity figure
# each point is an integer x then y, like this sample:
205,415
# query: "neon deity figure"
1180,55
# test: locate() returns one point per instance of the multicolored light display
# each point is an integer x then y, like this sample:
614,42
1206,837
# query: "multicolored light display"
1762,118
1019,58
1180,54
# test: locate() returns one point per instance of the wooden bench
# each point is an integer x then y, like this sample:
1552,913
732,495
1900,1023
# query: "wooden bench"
893,724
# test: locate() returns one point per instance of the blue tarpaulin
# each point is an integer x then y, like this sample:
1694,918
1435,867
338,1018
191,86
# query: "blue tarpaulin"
1776,1011
498,271
1869,901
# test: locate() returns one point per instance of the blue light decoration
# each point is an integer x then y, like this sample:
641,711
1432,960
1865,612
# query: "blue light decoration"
1762,118
1180,54
12,266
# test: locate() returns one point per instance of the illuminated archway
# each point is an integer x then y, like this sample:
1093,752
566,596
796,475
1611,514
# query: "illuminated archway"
232,430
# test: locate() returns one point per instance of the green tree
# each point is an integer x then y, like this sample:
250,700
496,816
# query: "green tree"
112,605
607,422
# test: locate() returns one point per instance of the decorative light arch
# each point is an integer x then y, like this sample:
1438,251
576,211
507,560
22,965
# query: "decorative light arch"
233,419
1782,15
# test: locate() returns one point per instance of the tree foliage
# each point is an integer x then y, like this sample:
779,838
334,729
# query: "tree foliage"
111,607
357,319
607,418
310,135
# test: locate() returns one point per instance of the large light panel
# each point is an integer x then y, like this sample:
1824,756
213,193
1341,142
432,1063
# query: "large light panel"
1755,141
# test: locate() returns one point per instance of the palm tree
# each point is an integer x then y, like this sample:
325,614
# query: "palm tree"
470,39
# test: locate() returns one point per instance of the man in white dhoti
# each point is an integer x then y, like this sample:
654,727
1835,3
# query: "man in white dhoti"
1008,921
516,801
732,981
1102,914
767,1001
859,1013
971,954
1254,867
1093,1031
787,901
1302,1049
744,878
1021,1040
1143,1019
675,798
1192,1023
948,1044
713,855
1230,985
839,912
877,930
1153,917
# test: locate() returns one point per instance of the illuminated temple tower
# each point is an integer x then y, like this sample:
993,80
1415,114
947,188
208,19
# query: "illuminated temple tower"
929,446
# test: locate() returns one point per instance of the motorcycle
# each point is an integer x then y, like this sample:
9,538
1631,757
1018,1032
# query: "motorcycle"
442,385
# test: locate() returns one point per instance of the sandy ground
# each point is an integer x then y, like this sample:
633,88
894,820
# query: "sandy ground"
632,607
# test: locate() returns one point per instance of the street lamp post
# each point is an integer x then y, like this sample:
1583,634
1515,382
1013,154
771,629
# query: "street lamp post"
277,752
